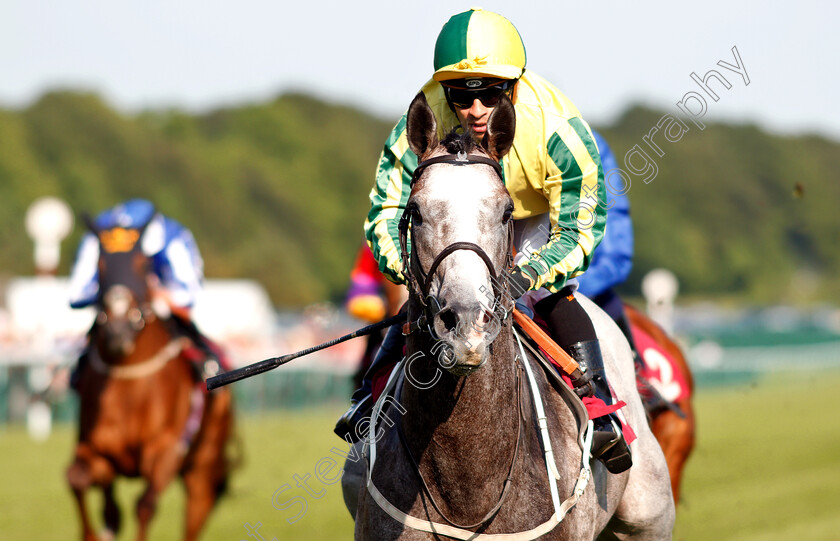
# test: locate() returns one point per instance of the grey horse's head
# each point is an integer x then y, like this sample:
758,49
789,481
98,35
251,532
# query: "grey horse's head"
453,203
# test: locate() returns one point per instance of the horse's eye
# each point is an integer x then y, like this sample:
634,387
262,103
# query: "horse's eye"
416,218
506,216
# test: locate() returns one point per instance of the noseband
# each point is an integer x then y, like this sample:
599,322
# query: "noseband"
431,305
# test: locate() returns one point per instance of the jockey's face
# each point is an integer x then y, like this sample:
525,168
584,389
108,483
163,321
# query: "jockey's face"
474,118
474,106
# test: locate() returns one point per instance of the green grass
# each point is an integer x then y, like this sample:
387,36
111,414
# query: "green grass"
35,503
766,467
767,463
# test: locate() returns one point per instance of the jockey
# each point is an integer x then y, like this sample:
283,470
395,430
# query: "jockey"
554,175
178,272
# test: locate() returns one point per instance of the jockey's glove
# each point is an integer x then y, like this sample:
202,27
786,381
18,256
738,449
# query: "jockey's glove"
519,281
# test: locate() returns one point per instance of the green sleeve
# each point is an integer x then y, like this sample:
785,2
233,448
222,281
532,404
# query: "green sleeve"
575,190
387,202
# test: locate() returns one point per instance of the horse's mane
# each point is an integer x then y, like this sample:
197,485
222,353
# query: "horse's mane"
455,142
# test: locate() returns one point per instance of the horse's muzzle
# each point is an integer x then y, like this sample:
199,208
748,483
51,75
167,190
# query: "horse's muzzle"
466,332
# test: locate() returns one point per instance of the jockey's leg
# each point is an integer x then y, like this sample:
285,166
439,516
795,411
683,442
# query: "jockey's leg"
210,362
572,329
76,372
361,403
81,363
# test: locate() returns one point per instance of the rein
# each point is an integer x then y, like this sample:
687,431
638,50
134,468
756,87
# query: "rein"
141,369
561,509
492,513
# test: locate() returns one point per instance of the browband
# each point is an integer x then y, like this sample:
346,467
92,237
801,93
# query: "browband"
462,158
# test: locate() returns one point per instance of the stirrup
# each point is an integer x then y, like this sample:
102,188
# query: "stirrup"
614,453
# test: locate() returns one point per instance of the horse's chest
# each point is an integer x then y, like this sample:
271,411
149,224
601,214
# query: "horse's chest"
129,416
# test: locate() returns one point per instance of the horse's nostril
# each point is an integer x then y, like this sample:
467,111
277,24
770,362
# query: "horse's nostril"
449,320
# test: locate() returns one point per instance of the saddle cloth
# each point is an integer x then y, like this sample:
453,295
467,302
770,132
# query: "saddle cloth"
659,368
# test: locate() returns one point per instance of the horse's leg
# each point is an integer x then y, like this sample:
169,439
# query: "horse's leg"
646,511
201,488
113,519
87,469
206,475
676,436
161,463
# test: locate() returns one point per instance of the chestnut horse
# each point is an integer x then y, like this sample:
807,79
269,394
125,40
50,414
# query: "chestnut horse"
674,432
478,441
142,413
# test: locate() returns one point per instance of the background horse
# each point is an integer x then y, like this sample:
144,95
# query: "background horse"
674,432
460,452
142,414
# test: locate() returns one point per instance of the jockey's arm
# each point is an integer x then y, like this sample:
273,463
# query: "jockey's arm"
163,299
387,203
179,274
84,278
574,188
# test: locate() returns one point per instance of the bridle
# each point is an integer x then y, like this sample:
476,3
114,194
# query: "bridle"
121,285
431,305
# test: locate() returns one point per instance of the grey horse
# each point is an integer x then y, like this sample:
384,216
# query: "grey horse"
458,447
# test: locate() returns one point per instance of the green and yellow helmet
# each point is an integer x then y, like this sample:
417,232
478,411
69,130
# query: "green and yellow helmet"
478,43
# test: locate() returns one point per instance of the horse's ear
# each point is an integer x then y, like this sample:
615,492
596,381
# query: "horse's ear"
421,127
90,223
501,127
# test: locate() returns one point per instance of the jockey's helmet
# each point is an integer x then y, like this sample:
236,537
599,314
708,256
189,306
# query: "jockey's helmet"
478,44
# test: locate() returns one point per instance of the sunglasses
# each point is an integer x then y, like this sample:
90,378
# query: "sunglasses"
463,98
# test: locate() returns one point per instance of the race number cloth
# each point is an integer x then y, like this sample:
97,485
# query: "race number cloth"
660,368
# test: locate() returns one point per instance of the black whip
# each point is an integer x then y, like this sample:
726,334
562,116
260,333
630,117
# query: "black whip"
269,364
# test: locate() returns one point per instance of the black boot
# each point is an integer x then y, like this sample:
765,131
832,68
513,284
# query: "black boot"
209,364
361,403
76,373
608,444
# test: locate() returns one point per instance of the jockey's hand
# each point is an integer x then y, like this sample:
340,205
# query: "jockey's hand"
519,281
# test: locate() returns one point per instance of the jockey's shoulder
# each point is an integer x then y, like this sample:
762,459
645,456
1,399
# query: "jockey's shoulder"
537,97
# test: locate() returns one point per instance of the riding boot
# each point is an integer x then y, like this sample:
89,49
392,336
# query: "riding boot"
608,443
572,329
361,403
208,363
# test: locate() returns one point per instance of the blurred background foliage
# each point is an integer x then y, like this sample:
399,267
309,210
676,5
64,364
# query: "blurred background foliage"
277,192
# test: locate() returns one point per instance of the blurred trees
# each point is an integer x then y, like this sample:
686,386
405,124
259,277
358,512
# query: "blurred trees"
278,192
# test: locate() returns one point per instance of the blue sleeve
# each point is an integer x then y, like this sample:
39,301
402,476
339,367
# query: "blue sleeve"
613,258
